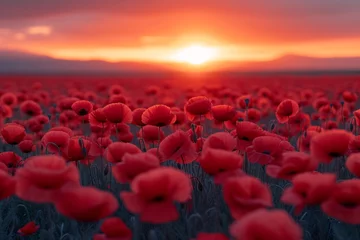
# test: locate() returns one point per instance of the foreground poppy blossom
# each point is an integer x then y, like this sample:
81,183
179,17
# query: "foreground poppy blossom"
114,228
158,115
154,193
286,109
137,117
178,147
309,188
353,164
117,113
82,107
134,164
80,148
221,164
43,176
198,106
7,185
246,194
211,236
223,113
116,151
13,133
55,141
292,163
266,225
330,144
246,132
344,202
29,229
90,205
150,134
98,118
220,140
267,150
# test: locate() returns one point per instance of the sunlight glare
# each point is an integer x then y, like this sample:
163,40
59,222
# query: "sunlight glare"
195,54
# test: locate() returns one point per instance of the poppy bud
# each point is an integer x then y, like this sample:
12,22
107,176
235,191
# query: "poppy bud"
272,126
84,151
305,133
81,142
106,170
200,187
351,127
247,101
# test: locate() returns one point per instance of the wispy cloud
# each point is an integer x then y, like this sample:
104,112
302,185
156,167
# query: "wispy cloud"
39,30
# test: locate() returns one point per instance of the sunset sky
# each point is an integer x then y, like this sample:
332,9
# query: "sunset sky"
159,30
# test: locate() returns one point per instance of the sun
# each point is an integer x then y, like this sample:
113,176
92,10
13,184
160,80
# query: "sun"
195,54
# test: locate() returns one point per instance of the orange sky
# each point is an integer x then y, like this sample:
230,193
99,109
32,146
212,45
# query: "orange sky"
143,30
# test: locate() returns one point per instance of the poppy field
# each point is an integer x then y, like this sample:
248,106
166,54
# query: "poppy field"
206,157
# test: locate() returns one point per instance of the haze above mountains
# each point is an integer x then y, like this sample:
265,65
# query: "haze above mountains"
15,62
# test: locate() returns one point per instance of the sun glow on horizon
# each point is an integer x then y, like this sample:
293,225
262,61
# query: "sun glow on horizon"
195,54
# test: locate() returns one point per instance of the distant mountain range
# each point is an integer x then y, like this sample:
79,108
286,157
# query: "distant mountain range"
21,62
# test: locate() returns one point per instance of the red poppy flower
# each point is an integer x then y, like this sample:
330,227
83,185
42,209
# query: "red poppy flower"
11,160
246,133
137,115
198,106
292,163
299,122
223,113
239,116
330,144
220,140
122,132
118,113
13,133
7,184
41,119
55,141
30,108
150,134
43,176
116,89
344,202
114,228
8,99
211,236
180,116
134,164
117,98
253,115
98,118
245,101
104,142
353,164
311,188
116,151
5,111
158,115
267,150
86,204
303,142
154,193
80,148
274,224
63,129
349,97
82,107
221,164
66,103
26,146
286,109
246,194
178,147
354,145
29,229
